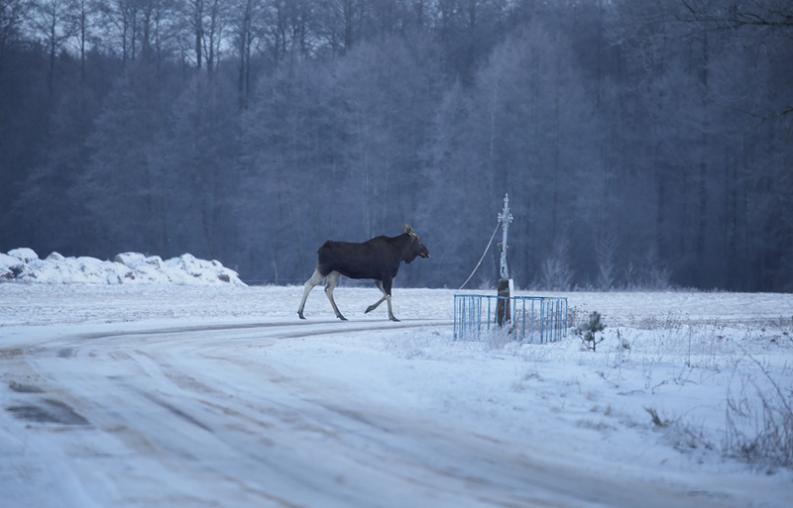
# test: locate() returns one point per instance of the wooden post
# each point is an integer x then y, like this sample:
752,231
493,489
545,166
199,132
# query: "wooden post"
503,308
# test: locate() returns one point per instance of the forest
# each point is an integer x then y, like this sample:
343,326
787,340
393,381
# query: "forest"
644,144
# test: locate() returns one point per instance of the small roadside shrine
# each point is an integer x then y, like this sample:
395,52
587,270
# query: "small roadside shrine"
529,318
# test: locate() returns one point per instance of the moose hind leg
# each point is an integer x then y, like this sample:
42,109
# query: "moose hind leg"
333,279
378,302
390,309
315,279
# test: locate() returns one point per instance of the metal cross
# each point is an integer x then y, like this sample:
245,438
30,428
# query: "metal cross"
505,218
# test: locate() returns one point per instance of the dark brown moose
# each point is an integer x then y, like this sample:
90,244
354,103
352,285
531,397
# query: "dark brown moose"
377,259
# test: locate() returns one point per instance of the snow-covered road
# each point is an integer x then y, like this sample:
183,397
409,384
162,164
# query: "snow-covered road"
202,411
190,416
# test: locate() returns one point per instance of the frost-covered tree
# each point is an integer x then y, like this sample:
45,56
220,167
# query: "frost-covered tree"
200,133
122,186
290,155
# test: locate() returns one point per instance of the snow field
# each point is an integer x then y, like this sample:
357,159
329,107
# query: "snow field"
396,415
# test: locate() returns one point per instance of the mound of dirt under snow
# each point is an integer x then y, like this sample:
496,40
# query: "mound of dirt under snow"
24,265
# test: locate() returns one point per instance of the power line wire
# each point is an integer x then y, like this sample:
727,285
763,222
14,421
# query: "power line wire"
483,255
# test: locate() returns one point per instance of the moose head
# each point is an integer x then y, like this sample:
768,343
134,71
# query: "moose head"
415,247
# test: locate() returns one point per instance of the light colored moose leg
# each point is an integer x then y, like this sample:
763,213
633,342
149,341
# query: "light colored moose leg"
316,278
390,310
387,285
333,279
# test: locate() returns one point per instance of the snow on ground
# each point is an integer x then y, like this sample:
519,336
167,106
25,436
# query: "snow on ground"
24,265
220,396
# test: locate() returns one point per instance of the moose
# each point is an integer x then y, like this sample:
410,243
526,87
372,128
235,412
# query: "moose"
377,259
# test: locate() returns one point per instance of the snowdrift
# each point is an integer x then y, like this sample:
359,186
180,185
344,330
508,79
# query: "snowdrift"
24,265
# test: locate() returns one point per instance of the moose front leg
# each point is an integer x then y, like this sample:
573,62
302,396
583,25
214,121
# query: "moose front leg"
387,290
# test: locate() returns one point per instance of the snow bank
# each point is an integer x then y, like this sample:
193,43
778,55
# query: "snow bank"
24,265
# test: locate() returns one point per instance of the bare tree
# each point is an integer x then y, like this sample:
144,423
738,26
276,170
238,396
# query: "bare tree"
245,17
196,13
213,40
774,16
117,20
53,22
82,20
12,12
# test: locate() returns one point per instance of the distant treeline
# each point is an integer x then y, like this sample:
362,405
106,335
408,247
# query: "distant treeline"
643,143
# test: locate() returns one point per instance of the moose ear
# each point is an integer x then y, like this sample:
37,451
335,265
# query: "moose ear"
409,230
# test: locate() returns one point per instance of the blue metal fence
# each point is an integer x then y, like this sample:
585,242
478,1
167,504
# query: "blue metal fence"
537,319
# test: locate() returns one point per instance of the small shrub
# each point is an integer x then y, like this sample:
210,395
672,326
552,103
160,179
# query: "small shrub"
623,343
588,331
761,433
656,418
